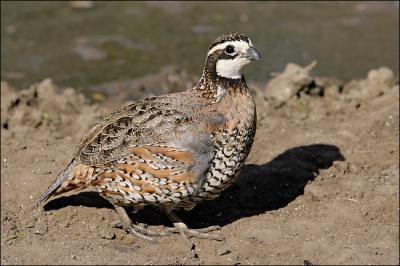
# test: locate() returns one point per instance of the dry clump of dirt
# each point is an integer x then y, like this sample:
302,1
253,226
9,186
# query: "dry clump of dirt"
320,185
43,107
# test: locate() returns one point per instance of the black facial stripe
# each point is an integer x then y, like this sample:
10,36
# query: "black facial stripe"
227,56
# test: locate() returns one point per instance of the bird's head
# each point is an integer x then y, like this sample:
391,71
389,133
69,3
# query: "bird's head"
229,54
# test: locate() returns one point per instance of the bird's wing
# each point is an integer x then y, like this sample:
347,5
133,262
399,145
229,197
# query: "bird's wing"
153,120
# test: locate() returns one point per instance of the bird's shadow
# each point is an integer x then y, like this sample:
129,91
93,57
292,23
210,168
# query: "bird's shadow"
258,189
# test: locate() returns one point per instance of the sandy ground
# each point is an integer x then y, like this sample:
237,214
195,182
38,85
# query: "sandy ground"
321,185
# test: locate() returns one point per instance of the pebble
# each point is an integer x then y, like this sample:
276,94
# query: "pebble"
128,239
353,169
119,236
30,225
41,230
307,263
108,235
117,225
315,197
223,251
66,224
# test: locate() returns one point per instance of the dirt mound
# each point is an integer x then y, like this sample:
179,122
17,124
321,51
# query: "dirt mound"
297,82
44,107
320,185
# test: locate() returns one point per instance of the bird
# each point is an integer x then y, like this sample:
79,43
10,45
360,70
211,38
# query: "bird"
171,151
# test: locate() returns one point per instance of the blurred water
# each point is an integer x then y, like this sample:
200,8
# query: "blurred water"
123,40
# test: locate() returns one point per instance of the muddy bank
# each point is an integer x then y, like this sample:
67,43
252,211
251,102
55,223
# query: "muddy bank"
321,182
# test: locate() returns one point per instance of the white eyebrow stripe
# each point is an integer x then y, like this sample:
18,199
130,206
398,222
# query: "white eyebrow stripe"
224,44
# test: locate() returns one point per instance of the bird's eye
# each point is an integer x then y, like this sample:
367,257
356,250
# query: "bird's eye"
229,49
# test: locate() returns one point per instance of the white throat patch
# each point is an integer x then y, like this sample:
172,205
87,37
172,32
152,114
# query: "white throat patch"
231,68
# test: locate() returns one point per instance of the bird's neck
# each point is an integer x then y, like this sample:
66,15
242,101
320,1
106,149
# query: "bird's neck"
211,85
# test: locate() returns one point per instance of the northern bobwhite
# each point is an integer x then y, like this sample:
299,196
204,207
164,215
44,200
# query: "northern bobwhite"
174,150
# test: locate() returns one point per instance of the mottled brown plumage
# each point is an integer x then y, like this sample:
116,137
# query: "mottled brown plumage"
174,150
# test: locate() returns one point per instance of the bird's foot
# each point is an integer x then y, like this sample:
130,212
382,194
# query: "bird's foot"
179,227
186,233
198,233
145,233
138,230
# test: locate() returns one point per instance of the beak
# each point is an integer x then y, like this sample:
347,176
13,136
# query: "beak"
252,54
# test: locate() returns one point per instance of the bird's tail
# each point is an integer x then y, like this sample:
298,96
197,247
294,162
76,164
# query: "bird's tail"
65,173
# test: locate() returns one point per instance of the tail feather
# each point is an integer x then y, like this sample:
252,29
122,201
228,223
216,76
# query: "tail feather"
65,173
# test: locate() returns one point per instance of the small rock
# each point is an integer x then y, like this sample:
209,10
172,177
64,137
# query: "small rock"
108,235
341,166
119,236
193,253
315,197
30,224
353,169
307,263
66,224
223,251
40,232
117,224
331,175
41,229
128,239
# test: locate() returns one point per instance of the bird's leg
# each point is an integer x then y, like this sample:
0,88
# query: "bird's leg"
134,228
181,227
